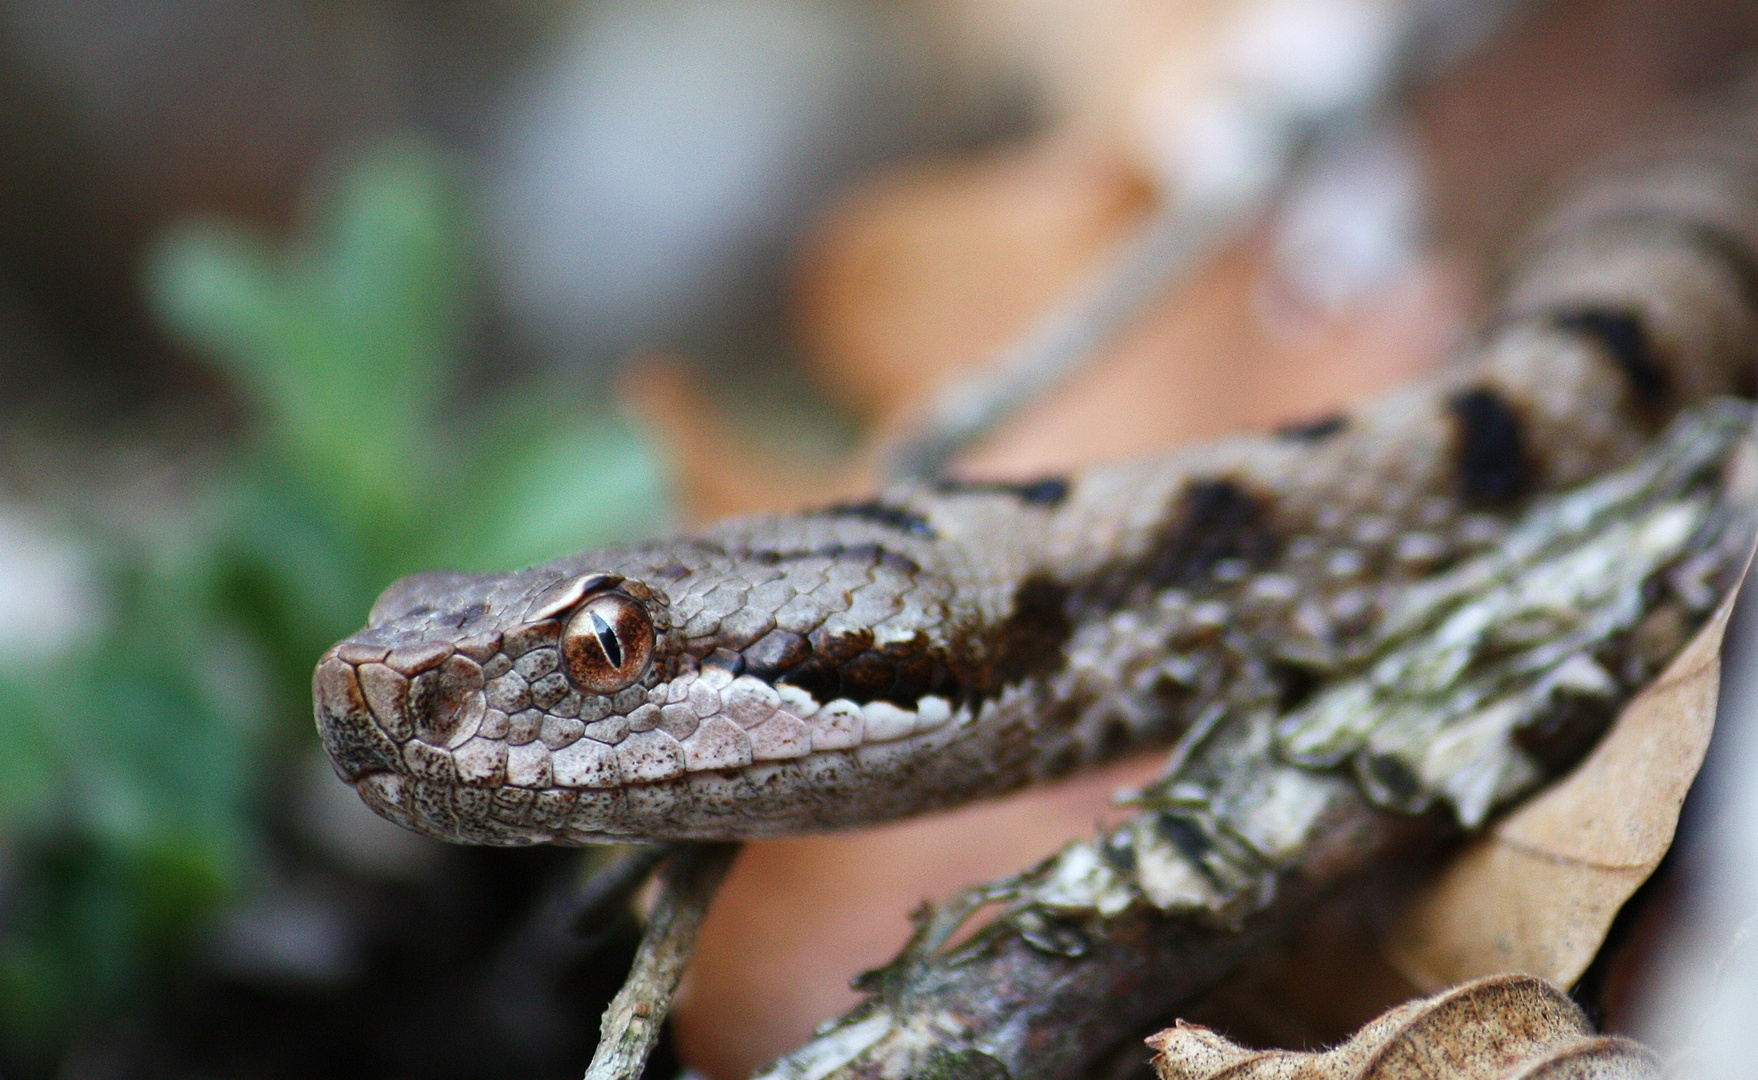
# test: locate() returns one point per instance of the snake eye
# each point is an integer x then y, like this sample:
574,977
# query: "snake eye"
607,644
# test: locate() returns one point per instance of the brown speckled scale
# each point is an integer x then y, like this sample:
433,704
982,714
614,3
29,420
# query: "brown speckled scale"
946,641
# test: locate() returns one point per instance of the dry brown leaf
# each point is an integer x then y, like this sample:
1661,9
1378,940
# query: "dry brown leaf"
1499,1028
1538,893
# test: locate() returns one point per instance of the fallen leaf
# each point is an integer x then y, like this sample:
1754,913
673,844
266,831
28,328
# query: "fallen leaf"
1325,980
1499,1028
1539,891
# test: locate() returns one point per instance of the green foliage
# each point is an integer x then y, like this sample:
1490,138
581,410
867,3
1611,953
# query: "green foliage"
128,791
127,814
337,339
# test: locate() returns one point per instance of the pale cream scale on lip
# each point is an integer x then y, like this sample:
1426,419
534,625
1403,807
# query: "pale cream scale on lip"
707,721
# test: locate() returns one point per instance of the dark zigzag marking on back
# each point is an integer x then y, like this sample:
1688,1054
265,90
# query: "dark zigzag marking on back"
880,513
1209,521
1623,336
1492,461
1316,430
1048,491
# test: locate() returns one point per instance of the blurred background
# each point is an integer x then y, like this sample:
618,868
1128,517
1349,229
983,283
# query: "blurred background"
297,296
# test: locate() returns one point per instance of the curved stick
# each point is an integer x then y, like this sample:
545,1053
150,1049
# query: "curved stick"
631,1024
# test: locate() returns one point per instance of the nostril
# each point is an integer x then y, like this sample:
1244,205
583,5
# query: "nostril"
446,703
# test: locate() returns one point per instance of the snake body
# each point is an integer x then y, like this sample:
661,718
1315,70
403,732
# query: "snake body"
949,640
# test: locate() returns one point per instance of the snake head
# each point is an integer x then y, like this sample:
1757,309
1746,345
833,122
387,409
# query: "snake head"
430,708
690,689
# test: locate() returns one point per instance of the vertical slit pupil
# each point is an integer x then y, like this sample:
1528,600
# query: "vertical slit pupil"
607,640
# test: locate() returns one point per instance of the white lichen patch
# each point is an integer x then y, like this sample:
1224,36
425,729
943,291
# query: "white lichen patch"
833,1048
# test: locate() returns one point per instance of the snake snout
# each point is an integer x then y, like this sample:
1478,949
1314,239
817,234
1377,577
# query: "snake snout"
356,744
376,705
391,717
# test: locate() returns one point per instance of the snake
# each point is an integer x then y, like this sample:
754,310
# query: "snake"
953,639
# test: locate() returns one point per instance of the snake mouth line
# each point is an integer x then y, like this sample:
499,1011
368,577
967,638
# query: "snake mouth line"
699,804
381,779
728,736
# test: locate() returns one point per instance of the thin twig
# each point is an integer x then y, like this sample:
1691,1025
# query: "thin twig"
631,1024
